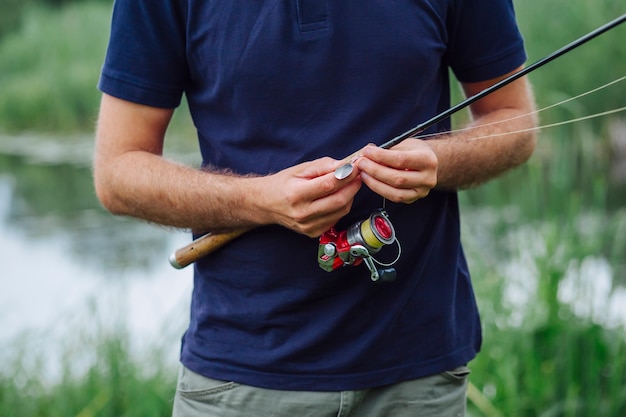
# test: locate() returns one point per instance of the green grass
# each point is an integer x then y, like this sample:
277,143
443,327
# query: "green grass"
96,372
49,69
114,386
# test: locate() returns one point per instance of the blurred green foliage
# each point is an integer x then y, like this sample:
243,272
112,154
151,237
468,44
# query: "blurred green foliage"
49,68
51,52
11,15
551,24
13,10
99,375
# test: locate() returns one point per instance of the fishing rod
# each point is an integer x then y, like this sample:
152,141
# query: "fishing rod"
345,170
212,241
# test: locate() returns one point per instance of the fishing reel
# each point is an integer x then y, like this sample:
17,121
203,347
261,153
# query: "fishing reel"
357,244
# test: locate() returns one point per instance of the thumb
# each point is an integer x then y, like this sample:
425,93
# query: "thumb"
318,167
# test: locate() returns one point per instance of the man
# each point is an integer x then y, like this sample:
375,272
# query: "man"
279,92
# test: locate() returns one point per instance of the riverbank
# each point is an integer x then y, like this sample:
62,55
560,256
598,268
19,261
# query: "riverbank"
92,313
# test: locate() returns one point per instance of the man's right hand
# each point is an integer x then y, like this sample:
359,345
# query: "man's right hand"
307,198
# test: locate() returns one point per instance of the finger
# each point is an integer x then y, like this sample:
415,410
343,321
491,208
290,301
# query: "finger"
318,167
326,211
397,178
405,195
387,157
417,157
327,184
338,201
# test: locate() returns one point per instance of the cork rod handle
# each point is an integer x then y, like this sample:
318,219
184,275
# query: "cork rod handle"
202,246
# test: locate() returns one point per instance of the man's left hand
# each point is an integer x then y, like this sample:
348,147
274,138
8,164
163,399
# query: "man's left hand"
403,174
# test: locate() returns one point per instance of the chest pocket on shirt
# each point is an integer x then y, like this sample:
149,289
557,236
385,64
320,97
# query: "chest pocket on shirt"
312,15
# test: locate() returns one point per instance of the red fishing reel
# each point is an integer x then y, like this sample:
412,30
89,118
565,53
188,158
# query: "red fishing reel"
357,244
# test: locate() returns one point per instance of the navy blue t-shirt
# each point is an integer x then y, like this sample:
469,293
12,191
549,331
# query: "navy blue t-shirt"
272,83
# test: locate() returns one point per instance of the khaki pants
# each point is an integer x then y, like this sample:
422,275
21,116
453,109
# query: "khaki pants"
442,395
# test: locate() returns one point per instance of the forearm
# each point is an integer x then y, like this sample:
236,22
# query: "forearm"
306,198
133,179
147,186
494,144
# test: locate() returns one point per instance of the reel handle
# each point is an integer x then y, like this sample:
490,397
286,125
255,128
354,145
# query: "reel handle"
203,246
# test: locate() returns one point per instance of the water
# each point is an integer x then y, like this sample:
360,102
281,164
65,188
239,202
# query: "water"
66,263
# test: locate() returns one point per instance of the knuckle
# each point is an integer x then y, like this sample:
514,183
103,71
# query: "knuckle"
400,180
327,185
291,196
421,193
396,197
433,160
326,160
431,182
402,160
306,228
301,217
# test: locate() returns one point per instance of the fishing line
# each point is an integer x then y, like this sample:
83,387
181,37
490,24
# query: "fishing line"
506,81
562,123
560,103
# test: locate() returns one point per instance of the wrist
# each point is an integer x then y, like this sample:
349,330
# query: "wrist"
252,201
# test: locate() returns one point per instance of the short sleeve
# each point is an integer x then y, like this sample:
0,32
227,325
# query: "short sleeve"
485,41
146,56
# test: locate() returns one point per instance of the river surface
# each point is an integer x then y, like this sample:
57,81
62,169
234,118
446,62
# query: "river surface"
67,265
